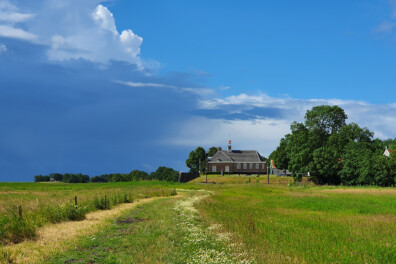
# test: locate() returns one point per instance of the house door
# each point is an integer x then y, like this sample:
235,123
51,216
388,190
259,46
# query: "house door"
227,169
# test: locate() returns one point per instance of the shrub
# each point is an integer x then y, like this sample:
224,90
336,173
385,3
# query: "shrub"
74,212
127,198
18,228
102,203
52,214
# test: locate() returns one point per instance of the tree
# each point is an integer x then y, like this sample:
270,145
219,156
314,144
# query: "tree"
165,174
349,133
357,165
384,169
195,158
298,149
212,151
325,166
325,119
56,176
280,155
137,175
41,178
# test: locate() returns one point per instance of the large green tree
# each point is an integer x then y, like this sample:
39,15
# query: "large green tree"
280,155
298,149
384,170
212,151
325,166
356,165
195,158
325,119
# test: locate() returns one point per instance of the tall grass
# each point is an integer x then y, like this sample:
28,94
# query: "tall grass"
54,205
283,224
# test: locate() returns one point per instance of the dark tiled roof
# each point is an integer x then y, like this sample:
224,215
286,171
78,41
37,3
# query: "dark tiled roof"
236,156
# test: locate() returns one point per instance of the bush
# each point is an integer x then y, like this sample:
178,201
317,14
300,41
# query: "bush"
102,203
74,212
17,229
173,193
165,174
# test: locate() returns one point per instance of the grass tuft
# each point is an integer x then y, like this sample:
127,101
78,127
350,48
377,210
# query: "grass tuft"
6,256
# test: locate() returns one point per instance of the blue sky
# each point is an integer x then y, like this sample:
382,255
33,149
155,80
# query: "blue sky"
99,87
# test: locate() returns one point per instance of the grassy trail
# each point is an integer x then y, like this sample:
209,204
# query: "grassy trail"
164,231
56,238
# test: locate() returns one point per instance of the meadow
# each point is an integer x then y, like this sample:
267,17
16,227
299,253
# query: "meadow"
26,206
306,224
233,219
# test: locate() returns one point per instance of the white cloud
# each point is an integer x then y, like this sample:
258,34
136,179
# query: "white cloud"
9,16
197,91
261,135
11,32
385,27
104,18
71,29
3,48
10,13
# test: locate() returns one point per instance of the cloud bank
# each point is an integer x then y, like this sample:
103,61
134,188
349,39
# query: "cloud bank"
71,30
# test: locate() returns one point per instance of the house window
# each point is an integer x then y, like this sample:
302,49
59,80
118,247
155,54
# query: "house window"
213,168
263,166
244,166
239,166
257,166
227,168
251,166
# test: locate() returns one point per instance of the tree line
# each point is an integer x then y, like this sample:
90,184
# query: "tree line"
334,152
161,174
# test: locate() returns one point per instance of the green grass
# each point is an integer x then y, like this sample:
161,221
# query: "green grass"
165,231
144,235
44,203
307,224
275,223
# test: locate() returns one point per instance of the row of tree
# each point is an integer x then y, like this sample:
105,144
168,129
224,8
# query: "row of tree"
67,177
334,152
161,174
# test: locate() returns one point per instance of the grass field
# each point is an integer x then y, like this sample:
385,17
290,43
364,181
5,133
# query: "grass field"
26,206
308,224
235,219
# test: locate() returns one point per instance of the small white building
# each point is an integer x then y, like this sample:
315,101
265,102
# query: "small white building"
388,152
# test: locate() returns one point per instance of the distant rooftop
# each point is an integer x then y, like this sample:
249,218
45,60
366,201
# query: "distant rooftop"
236,156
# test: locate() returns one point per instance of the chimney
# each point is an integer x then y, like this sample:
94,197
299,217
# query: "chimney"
229,146
219,149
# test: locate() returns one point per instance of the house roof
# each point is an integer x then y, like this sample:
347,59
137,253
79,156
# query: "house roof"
236,156
388,152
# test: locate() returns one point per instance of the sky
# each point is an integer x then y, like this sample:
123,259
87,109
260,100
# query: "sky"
100,87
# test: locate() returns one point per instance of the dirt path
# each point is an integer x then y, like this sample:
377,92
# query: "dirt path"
56,238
